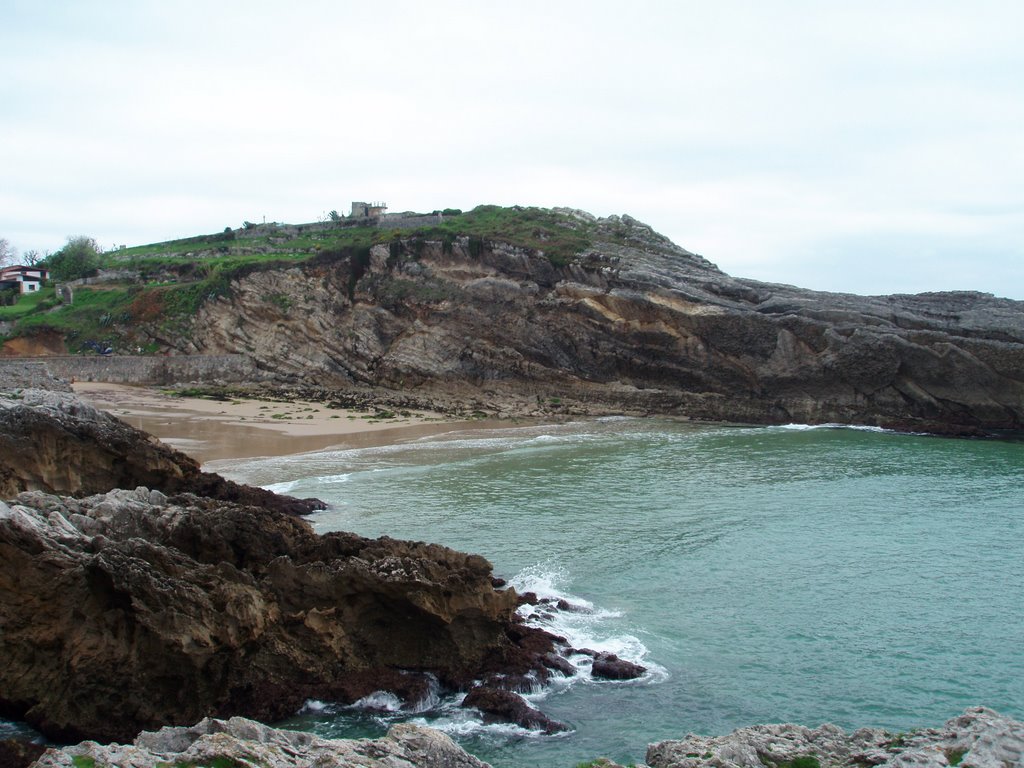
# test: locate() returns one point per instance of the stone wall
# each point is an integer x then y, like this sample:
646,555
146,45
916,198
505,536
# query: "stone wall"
24,374
408,221
124,369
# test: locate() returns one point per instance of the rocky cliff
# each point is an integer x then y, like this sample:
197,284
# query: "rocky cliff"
52,441
633,323
131,610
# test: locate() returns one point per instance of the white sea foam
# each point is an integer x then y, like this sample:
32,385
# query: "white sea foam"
285,487
314,705
463,723
857,427
379,701
582,624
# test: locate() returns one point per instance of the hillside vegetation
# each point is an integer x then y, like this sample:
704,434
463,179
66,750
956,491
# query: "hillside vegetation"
149,292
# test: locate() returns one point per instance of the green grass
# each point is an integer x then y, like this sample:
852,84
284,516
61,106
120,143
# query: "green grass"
28,303
217,762
94,315
175,278
804,761
559,236
955,756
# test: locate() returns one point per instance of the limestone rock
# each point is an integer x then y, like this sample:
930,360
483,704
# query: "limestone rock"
131,610
241,742
979,738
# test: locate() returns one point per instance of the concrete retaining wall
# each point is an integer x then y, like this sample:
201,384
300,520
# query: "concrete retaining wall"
124,369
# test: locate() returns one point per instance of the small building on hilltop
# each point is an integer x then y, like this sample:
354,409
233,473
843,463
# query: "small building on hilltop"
368,210
27,279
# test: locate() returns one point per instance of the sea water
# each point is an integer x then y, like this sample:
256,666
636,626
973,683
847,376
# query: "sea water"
761,574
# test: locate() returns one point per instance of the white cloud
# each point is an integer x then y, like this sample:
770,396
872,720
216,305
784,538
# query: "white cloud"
791,141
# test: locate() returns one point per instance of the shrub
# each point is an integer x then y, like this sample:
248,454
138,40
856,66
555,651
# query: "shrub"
79,258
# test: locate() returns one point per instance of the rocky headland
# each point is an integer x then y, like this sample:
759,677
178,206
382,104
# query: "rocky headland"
126,610
633,323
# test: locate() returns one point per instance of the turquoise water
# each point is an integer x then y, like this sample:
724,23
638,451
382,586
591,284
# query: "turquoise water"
762,574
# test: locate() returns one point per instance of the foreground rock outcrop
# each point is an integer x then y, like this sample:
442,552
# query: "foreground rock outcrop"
131,610
239,742
634,323
52,441
979,738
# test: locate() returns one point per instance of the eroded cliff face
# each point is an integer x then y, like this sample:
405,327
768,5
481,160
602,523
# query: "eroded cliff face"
641,327
131,610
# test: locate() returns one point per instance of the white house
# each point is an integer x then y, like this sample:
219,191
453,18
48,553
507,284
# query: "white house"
28,279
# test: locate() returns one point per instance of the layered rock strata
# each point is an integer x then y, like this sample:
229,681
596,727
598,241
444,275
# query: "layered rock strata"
131,610
634,324
52,441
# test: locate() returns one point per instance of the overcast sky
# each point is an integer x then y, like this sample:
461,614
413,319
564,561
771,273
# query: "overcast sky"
870,147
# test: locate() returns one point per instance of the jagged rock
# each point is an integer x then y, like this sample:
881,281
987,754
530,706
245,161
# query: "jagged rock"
132,610
503,706
241,742
611,667
979,738
54,442
635,324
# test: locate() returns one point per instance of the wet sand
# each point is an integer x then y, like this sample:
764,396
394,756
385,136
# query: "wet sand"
211,430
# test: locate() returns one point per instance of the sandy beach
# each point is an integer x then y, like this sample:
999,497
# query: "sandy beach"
211,430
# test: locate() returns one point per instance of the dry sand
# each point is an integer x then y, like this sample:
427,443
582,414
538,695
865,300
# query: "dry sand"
209,430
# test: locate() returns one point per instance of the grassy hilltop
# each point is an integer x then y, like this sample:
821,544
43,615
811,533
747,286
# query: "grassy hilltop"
162,285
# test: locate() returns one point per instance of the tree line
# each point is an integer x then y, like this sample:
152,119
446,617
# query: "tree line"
80,257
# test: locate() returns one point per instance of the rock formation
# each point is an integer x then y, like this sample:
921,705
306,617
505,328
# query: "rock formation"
132,610
979,738
53,442
240,742
635,324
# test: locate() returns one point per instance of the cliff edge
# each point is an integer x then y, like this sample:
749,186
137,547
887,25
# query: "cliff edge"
630,323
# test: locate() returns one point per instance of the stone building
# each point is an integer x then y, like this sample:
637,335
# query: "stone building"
368,210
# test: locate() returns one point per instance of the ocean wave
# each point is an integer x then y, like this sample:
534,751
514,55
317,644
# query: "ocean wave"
809,427
585,627
465,723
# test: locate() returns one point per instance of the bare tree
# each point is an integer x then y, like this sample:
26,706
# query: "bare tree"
8,253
